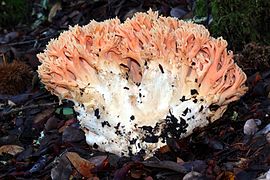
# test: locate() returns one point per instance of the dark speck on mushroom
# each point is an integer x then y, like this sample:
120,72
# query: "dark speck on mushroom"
105,123
132,117
133,141
193,92
213,107
97,113
183,98
187,110
161,68
95,146
201,108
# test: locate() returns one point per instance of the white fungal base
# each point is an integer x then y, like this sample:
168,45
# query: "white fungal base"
128,118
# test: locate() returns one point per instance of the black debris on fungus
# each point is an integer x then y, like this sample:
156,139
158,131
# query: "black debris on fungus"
161,68
133,141
201,108
213,107
83,106
105,123
193,64
183,98
118,132
147,128
195,100
127,76
140,94
130,151
126,88
82,91
95,146
97,113
174,127
150,136
193,92
132,117
208,119
196,80
145,64
187,110
151,139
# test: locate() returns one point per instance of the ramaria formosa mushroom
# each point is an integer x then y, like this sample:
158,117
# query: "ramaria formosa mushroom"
137,83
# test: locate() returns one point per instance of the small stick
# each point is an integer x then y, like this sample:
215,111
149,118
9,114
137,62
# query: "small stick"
29,107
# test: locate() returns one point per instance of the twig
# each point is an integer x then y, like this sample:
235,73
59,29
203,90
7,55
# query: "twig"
26,42
29,107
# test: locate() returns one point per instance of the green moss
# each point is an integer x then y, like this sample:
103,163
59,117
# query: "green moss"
238,21
14,12
201,8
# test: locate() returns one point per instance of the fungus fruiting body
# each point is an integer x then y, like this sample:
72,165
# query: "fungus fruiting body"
137,83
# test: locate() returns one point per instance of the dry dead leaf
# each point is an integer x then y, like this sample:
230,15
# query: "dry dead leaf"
164,149
41,117
82,165
56,7
229,175
11,149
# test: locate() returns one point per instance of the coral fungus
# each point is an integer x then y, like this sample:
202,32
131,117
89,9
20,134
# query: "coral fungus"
137,83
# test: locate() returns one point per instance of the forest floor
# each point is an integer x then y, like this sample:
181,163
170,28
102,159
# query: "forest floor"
41,139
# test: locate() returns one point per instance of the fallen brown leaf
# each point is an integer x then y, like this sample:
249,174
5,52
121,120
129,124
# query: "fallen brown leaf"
82,165
56,7
44,116
11,149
